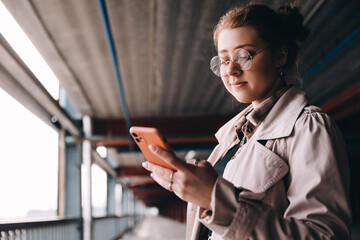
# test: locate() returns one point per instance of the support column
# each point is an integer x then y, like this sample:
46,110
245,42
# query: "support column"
72,180
86,181
111,184
70,159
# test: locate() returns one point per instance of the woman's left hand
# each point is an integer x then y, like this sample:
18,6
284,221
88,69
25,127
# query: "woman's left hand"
192,182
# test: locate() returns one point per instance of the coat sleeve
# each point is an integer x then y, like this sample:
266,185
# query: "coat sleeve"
317,193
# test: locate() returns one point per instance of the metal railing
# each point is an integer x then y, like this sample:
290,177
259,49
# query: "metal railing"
55,229
108,227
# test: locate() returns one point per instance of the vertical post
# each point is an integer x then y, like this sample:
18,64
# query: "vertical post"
70,158
72,179
61,175
110,206
131,206
86,181
124,201
118,199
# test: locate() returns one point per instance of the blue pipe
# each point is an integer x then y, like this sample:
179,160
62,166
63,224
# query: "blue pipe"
111,45
332,53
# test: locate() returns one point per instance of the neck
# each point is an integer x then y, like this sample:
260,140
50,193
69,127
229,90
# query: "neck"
279,84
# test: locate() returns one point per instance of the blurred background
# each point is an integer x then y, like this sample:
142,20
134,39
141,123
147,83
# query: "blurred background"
75,75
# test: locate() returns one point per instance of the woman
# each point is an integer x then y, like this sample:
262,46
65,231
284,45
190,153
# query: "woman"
279,170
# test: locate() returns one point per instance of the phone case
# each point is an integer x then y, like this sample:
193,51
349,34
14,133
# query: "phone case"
144,136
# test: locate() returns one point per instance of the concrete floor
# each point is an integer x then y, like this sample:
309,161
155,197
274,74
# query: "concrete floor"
159,228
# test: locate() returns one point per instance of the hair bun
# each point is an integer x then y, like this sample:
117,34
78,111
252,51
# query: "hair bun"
293,23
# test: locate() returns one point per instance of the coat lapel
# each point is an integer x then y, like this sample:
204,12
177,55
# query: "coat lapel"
279,123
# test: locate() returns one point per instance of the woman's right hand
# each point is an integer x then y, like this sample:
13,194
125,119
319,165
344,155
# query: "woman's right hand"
191,182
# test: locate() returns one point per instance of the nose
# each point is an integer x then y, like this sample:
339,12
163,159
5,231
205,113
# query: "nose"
233,69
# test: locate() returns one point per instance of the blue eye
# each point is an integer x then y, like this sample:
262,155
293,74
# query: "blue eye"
246,58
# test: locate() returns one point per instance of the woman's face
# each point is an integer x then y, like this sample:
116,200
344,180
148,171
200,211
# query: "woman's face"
261,80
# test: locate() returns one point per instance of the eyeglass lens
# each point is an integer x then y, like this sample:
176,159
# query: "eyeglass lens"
241,58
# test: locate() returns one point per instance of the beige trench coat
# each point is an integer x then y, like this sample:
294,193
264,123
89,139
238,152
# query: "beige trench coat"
294,187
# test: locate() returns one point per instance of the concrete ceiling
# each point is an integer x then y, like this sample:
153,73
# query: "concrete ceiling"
163,49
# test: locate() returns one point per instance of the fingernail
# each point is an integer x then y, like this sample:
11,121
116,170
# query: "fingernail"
144,164
152,147
152,175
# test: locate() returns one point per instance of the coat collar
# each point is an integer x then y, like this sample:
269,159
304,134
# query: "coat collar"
278,123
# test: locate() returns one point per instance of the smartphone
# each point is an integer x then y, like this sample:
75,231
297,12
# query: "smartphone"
144,136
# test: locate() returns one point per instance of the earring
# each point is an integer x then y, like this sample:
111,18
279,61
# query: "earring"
280,70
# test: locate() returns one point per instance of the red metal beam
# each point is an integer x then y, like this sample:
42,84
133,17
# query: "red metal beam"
344,104
142,194
131,171
172,141
169,126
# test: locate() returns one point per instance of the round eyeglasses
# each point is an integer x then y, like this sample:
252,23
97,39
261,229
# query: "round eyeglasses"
241,58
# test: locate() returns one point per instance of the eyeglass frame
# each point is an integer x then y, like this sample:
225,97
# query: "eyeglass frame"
232,60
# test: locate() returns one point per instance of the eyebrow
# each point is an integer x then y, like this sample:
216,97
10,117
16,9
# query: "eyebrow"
239,46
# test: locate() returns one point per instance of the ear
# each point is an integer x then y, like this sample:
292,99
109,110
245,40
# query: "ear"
282,55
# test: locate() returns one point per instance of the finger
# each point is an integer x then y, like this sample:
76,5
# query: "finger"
194,161
169,158
160,171
165,184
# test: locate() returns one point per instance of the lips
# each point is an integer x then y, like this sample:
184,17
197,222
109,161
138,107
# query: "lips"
238,84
